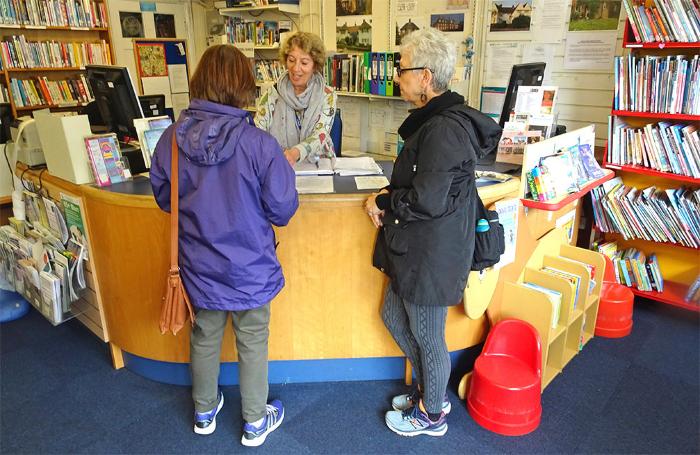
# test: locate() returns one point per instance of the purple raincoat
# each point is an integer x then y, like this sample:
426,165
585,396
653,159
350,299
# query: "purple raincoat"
234,184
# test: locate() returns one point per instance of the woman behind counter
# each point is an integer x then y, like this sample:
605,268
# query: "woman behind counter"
427,218
299,109
234,185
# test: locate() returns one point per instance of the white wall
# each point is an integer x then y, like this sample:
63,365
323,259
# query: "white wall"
584,97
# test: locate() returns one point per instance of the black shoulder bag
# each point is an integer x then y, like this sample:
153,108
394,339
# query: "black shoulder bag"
489,244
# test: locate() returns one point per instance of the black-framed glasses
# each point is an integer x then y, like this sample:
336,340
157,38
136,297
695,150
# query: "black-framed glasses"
400,70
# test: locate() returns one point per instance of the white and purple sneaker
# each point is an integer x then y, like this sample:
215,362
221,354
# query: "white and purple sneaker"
205,422
255,436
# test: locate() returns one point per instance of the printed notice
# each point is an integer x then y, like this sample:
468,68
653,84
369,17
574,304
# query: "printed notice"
590,50
371,182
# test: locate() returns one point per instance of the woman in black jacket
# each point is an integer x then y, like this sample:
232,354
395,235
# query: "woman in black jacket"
427,220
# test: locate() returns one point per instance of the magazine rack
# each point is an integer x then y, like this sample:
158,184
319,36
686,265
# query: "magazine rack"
578,312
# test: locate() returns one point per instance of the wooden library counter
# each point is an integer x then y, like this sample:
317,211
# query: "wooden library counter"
329,308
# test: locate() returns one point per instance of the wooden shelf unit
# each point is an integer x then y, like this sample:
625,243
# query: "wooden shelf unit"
679,264
51,33
576,324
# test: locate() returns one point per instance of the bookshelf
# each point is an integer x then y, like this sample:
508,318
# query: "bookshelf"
71,26
679,263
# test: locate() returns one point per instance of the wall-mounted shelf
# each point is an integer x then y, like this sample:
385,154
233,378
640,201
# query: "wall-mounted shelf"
648,171
629,42
367,95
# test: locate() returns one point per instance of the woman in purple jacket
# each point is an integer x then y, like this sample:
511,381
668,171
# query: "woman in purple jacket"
234,185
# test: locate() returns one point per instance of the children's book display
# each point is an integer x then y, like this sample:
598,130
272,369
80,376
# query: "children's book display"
42,256
565,171
559,295
105,158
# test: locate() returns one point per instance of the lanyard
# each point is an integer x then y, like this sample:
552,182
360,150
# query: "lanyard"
297,118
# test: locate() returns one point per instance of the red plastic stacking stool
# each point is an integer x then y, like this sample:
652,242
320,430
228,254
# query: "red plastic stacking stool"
505,391
615,308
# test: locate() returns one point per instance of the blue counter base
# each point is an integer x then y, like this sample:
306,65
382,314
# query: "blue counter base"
287,371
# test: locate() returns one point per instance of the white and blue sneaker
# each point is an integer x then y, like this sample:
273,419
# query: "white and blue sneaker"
254,436
205,422
413,422
408,400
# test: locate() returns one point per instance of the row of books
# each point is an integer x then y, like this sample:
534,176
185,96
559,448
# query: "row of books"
58,13
562,173
268,70
368,72
651,214
664,84
693,293
664,20
42,91
4,95
633,267
260,33
662,146
17,52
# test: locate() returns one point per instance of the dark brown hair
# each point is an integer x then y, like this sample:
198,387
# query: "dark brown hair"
224,75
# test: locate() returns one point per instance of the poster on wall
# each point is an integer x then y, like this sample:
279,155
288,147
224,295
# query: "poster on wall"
457,4
594,15
165,25
510,16
407,24
151,59
353,8
354,33
452,22
131,24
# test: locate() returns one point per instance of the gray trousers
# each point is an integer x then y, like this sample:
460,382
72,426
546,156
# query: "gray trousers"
419,330
252,330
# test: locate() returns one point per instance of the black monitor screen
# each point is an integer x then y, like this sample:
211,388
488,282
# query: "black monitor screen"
524,74
115,98
152,105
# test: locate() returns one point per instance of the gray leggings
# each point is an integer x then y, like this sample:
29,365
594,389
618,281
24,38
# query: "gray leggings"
420,333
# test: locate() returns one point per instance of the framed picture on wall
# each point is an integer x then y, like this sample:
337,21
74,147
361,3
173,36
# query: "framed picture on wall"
151,59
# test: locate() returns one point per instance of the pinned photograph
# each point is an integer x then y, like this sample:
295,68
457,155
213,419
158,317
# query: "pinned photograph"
404,29
165,25
353,7
354,33
453,22
511,16
132,24
594,15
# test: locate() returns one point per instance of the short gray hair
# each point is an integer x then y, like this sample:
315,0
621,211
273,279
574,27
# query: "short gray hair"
432,49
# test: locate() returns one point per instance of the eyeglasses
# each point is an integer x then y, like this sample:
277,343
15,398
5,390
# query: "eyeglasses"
400,70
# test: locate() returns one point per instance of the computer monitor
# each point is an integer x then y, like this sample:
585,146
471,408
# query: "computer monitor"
115,98
152,105
523,74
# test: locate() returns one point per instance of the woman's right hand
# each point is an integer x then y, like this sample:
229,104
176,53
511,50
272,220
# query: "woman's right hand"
292,155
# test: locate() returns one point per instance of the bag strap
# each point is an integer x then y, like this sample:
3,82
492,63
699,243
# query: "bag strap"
174,206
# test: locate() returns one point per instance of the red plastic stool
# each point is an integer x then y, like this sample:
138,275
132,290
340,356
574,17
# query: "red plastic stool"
505,391
616,306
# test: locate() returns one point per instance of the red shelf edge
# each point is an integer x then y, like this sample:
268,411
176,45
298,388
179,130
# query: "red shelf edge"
653,172
655,115
628,37
673,294
553,206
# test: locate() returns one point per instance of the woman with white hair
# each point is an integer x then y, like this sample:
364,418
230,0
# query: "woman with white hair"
427,224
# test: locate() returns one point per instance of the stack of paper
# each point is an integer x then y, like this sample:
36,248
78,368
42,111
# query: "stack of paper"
363,165
323,166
